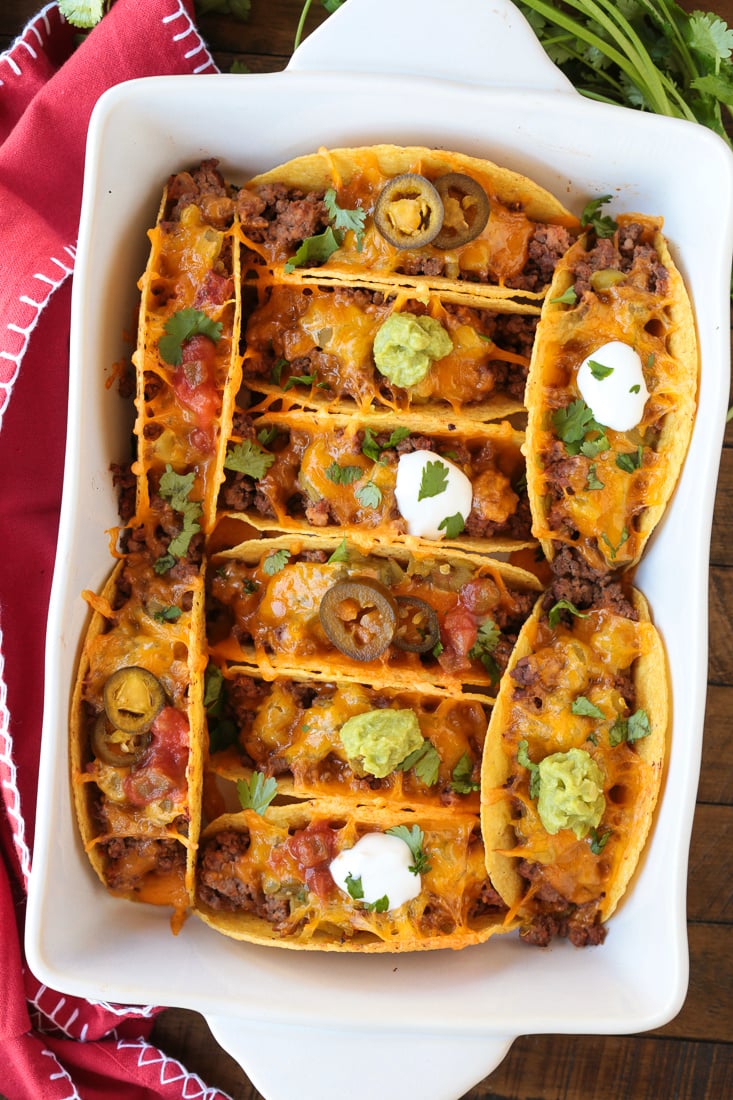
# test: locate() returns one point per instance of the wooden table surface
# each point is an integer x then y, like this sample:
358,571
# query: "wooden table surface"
690,1058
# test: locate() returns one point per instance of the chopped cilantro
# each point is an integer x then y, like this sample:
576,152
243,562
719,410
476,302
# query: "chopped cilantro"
249,458
630,729
414,838
340,554
569,298
369,495
453,525
170,614
534,769
593,482
630,460
299,380
598,841
258,793
583,706
573,422
603,224
354,886
222,730
175,488
598,370
315,250
275,561
381,905
555,611
267,435
277,369
615,549
372,449
425,759
345,219
180,327
484,646
343,475
434,480
461,781
636,388
163,564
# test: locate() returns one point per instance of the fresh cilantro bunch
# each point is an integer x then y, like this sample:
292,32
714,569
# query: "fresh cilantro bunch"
649,54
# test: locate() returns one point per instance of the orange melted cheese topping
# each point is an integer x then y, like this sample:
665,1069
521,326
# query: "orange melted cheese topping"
336,330
589,660
291,866
302,741
180,406
599,505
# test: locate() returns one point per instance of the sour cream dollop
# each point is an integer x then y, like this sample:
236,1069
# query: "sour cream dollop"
420,505
381,862
611,382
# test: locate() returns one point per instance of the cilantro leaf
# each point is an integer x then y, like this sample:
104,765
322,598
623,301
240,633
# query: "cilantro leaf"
630,460
603,224
372,449
573,422
598,840
354,886
345,219
593,481
381,905
340,554
343,475
583,706
630,729
180,327
169,614
434,480
175,488
482,649
568,298
315,250
414,838
461,781
299,380
615,549
258,793
555,611
598,370
222,730
275,561
425,759
534,769
249,458
453,525
369,495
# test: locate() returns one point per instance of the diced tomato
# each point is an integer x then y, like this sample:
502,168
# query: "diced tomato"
193,381
314,845
481,595
458,633
215,290
162,770
320,881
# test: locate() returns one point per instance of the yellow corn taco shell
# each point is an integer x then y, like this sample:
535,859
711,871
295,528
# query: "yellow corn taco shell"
600,489
307,472
139,821
592,687
265,878
428,619
187,360
331,739
495,263
313,346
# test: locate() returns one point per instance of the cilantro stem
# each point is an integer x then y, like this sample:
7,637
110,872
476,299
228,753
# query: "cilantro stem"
301,23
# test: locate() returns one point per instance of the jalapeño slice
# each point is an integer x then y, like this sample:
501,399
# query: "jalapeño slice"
359,615
417,630
113,746
409,211
133,698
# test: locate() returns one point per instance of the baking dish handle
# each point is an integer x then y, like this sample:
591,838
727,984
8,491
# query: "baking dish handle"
283,1061
487,42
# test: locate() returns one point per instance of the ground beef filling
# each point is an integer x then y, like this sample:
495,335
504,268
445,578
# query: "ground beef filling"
221,888
129,860
629,252
558,917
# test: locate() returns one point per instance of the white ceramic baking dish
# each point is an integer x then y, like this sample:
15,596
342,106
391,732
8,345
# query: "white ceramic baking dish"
467,75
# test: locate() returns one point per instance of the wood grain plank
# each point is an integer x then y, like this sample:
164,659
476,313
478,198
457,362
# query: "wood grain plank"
716,776
720,589
708,1008
710,874
560,1067
721,543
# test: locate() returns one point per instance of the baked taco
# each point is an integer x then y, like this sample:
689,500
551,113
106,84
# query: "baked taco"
324,738
137,733
187,362
398,617
610,395
339,346
573,759
383,215
338,877
422,480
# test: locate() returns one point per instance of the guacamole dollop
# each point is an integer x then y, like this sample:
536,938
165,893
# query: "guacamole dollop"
379,740
406,345
571,792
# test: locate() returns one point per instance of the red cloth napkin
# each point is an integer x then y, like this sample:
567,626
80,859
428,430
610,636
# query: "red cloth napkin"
54,1045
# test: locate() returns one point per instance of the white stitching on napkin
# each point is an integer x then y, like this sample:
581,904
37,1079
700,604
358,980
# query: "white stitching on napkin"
171,1071
31,28
181,13
9,773
61,1075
